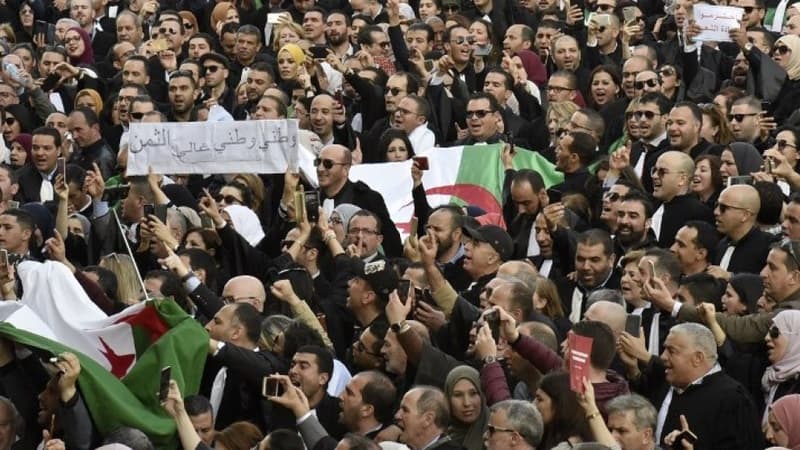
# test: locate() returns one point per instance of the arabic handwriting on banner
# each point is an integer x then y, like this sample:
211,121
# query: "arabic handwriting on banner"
261,146
716,21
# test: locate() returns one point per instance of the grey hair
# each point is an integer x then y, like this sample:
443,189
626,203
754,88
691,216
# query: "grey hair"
700,339
523,418
607,295
432,399
644,413
72,22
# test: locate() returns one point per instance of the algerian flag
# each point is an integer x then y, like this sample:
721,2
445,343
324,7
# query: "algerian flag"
121,355
461,175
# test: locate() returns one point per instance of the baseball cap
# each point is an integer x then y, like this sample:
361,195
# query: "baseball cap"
380,275
216,57
495,236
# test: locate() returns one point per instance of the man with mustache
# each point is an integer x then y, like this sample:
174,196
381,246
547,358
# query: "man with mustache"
634,215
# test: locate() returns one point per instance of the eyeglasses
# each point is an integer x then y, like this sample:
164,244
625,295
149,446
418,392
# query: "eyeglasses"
667,71
404,111
327,163
604,8
395,91
212,69
602,29
167,31
361,348
639,85
612,196
188,25
749,9
781,49
335,221
491,430
228,199
10,121
630,74
739,117
228,299
136,115
561,132
72,39
782,144
649,115
479,113
723,208
364,231
463,40
558,89
660,172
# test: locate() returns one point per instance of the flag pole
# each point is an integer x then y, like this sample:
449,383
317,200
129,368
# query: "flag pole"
130,253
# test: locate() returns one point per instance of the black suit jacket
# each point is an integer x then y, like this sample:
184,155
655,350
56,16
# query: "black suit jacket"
30,182
677,212
566,287
749,254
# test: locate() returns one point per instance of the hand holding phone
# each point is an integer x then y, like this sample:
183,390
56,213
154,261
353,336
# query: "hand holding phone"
422,162
403,287
492,318
163,386
271,387
633,323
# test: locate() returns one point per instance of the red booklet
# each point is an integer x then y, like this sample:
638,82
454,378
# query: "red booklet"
579,349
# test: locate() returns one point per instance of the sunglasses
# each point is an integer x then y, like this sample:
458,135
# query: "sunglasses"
212,69
478,113
491,430
602,29
739,117
228,199
782,144
612,196
361,348
463,40
749,9
10,121
649,115
781,49
327,163
394,90
136,115
723,208
561,131
774,332
385,44
188,26
652,82
661,171
667,71
167,31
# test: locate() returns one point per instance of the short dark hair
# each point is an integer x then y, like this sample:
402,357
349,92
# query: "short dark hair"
139,58
422,26
347,19
707,237
508,80
206,37
24,219
665,262
365,35
664,104
493,103
201,259
637,196
368,213
75,175
771,197
704,287
323,355
49,131
88,114
603,344
696,111
297,335
531,177
249,29
596,236
284,439
423,107
358,442
250,319
106,278
380,392
583,145
196,405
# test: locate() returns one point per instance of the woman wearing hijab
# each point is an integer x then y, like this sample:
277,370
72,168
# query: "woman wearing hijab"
468,410
17,119
79,46
290,64
783,350
783,423
20,151
245,222
786,52
739,159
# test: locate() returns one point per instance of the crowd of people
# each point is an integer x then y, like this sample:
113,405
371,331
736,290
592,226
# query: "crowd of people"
672,243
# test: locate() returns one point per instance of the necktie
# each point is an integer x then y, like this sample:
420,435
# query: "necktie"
46,191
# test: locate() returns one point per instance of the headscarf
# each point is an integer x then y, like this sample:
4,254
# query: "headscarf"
787,413
793,66
297,53
88,53
97,99
747,158
533,67
788,322
469,436
346,211
246,223
220,13
23,116
25,140
749,287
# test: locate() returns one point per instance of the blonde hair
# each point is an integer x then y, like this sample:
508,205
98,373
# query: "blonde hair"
277,32
96,99
129,290
560,111
547,291
8,29
256,186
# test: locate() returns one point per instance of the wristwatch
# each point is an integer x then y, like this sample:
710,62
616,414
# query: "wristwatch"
748,47
489,359
396,327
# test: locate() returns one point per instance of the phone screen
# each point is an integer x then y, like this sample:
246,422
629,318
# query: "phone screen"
493,319
271,387
632,324
402,290
163,387
61,168
149,210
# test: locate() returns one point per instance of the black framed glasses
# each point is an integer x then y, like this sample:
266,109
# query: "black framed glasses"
639,85
136,115
649,115
9,121
359,346
602,29
167,31
558,89
612,196
364,231
228,199
461,40
749,9
327,163
454,8
491,430
781,49
479,113
782,144
740,117
723,208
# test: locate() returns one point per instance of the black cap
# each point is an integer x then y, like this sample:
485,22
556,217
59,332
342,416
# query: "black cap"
380,276
216,57
495,236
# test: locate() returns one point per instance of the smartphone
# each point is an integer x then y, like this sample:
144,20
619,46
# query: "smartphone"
402,289
554,195
50,82
414,226
687,436
48,30
271,387
61,168
274,18
4,257
482,50
319,51
510,140
13,204
652,265
603,20
492,318
163,387
422,162
149,210
429,65
632,324
206,222
159,45
312,202
743,179
629,14
299,207
161,212
768,165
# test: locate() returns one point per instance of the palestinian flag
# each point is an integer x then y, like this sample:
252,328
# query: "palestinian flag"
461,175
121,355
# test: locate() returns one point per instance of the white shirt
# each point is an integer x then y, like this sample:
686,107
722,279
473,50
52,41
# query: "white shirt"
662,412
422,138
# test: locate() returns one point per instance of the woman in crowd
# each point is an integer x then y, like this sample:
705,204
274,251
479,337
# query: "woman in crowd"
783,423
394,146
26,21
429,8
20,151
468,411
546,301
782,377
564,421
707,181
786,52
89,98
558,115
606,82
286,33
671,85
291,63
238,436
129,289
739,159
17,119
79,47
716,128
